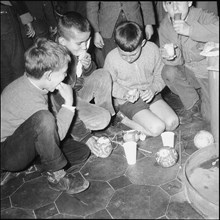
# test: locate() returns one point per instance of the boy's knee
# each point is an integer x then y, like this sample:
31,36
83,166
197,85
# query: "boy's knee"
103,75
157,129
168,73
46,119
172,123
102,122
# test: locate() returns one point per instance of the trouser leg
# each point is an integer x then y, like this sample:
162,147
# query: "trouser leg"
38,135
181,82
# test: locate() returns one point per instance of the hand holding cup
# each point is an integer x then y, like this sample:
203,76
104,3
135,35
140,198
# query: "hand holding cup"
168,51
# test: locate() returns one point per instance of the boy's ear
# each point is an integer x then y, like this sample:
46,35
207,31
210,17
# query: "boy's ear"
143,42
190,3
47,75
62,41
164,6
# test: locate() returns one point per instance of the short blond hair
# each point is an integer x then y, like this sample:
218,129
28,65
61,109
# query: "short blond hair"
43,56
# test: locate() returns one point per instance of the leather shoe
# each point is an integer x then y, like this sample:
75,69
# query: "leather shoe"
186,116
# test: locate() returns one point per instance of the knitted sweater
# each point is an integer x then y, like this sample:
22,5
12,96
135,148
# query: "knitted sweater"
20,100
145,72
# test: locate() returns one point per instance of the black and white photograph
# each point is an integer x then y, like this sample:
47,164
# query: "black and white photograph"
74,144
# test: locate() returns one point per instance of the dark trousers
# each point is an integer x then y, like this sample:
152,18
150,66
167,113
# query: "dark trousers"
38,136
12,49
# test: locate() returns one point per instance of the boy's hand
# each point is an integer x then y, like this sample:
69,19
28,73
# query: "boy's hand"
147,95
66,92
165,54
181,27
52,30
132,95
85,60
93,146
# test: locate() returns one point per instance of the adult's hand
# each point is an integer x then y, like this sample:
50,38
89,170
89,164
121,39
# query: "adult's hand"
149,31
30,30
98,41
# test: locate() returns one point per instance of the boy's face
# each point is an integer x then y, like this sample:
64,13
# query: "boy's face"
130,57
77,43
172,7
55,77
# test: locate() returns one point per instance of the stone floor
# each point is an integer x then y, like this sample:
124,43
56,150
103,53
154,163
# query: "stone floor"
117,190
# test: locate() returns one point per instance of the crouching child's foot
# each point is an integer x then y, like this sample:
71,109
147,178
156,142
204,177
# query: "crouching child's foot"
68,182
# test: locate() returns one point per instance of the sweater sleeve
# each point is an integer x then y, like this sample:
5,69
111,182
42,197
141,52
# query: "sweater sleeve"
118,91
158,83
167,36
89,71
63,115
206,29
64,118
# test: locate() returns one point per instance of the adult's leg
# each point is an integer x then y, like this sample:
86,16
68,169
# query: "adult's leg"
101,53
98,86
161,109
179,83
12,49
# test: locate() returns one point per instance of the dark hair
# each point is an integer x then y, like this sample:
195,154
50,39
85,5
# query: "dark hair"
128,36
43,56
71,20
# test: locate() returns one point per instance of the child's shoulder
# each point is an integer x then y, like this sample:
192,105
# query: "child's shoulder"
14,88
150,46
113,54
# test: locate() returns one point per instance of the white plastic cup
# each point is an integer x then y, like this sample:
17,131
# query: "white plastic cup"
130,149
177,16
170,49
168,138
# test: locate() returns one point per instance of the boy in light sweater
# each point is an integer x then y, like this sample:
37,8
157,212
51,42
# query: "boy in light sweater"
135,66
92,86
29,129
185,73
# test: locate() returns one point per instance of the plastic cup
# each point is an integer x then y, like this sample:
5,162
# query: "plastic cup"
170,49
168,138
177,16
130,149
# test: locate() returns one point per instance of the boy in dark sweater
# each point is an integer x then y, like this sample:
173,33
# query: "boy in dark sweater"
29,129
